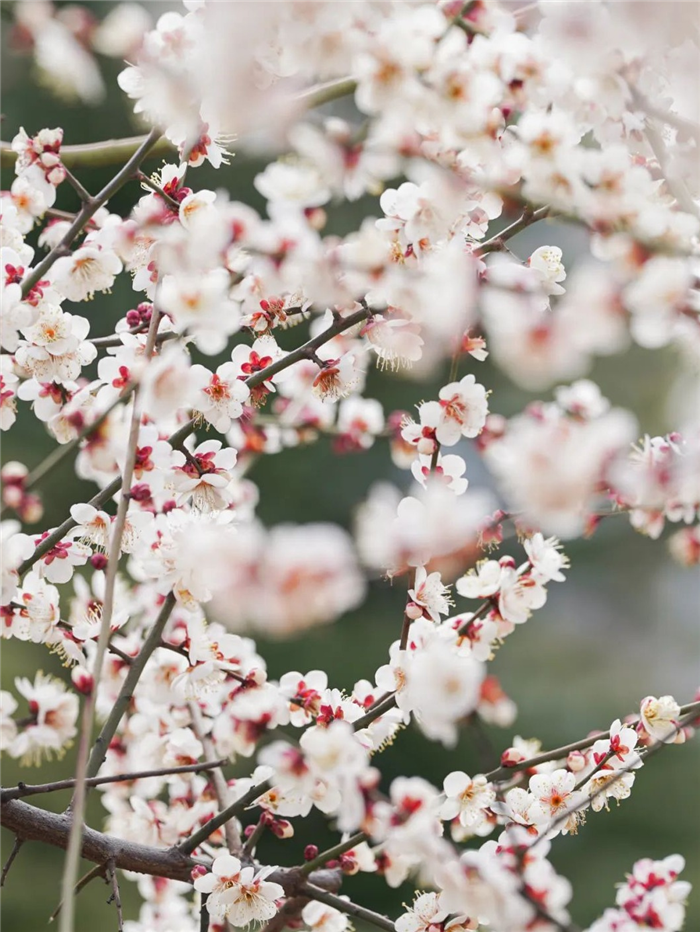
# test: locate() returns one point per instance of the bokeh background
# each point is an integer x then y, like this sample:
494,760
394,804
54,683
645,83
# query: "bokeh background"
624,625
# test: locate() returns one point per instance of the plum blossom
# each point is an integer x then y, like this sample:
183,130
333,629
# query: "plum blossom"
239,893
54,714
660,717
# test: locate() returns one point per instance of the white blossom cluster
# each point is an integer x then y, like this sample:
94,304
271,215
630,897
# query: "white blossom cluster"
471,122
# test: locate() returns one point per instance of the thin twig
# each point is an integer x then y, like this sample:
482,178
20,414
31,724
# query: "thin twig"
233,838
526,219
33,789
502,773
379,708
116,896
204,914
132,677
83,767
182,433
97,871
89,209
235,809
8,863
330,854
253,839
77,186
346,906
156,188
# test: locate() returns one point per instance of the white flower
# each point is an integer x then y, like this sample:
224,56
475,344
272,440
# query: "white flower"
553,795
424,912
54,712
220,395
85,271
429,597
321,918
200,304
442,688
467,798
205,475
660,717
464,410
546,558
546,261
237,893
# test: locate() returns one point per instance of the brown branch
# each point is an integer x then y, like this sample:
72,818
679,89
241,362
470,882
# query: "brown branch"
33,824
526,219
34,789
89,209
502,773
346,906
178,438
235,809
133,675
379,708
233,838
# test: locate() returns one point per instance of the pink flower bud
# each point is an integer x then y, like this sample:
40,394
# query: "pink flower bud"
282,828
348,864
99,561
511,757
82,680
413,611
198,871
310,852
426,446
576,761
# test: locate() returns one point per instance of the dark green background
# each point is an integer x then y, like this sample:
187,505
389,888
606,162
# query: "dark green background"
623,626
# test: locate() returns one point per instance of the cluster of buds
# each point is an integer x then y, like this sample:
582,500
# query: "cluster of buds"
41,151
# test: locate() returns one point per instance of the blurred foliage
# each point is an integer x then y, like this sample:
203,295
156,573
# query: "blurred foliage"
624,625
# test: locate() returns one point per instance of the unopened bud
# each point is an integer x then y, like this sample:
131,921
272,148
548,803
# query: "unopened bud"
282,828
348,864
198,871
511,757
82,680
426,446
413,611
258,676
310,852
98,561
576,761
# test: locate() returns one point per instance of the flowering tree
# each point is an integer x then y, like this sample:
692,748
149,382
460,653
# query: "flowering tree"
469,118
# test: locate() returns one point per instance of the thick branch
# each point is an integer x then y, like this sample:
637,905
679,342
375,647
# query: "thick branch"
117,151
98,154
33,824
